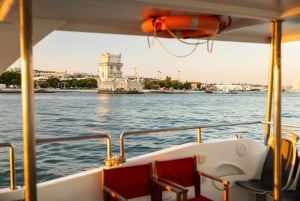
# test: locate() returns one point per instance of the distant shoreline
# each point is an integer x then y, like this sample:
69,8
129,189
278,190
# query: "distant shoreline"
51,90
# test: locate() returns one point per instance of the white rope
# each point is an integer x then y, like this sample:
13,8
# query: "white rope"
183,41
171,53
152,43
210,45
155,38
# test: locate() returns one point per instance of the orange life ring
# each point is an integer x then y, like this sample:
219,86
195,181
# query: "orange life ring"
183,26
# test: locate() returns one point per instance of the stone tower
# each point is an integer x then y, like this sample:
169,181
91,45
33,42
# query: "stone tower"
110,67
111,78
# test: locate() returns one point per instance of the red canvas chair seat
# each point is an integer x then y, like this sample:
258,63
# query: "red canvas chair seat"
183,173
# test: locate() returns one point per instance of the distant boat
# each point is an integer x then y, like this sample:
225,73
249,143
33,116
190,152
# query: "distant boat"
230,91
209,91
46,90
225,91
9,90
164,91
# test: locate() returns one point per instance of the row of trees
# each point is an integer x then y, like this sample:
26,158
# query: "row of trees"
54,82
11,78
14,78
167,83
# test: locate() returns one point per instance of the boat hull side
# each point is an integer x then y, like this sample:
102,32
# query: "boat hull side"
231,159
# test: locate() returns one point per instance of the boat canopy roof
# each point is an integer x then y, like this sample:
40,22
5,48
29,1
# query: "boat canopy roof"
250,19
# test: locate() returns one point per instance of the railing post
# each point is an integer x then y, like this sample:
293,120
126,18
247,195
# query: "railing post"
12,167
109,150
270,95
12,171
199,140
122,149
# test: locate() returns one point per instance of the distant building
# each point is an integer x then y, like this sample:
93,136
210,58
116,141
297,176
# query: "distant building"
195,85
43,75
296,84
111,78
2,86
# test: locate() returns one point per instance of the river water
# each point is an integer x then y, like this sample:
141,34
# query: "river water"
76,114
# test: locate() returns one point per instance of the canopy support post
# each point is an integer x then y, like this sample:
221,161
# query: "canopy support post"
277,107
270,94
28,100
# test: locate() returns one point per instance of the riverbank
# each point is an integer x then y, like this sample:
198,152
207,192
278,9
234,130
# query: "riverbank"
164,91
51,90
6,90
145,91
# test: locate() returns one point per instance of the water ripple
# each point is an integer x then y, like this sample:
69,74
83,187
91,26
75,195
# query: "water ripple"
75,114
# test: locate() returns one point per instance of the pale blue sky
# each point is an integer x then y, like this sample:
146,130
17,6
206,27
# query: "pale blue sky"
228,62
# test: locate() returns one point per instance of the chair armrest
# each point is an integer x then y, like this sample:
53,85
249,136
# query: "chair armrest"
181,192
114,193
223,181
166,183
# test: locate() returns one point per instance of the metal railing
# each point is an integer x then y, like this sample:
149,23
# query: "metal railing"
76,138
11,164
154,131
49,140
110,160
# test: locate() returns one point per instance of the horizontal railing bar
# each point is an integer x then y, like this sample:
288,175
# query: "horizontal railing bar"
71,138
143,132
11,163
75,138
5,144
290,125
185,128
283,125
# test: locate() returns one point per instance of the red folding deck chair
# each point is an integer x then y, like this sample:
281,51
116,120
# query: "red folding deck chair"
183,173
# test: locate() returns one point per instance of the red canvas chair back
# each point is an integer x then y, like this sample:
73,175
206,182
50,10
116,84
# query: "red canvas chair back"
130,182
181,171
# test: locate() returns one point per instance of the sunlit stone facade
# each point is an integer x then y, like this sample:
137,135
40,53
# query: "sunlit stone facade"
111,78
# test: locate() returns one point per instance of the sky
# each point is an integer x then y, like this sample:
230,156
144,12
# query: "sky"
227,63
